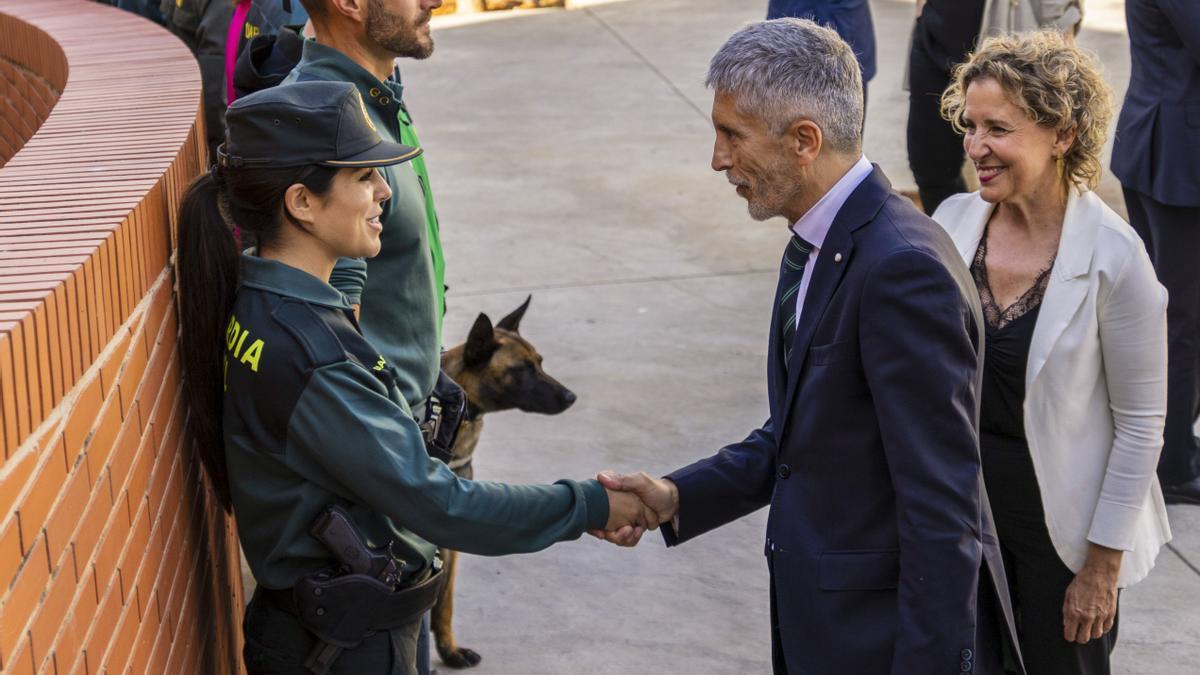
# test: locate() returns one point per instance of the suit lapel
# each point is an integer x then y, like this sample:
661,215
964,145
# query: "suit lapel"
1068,286
832,261
967,229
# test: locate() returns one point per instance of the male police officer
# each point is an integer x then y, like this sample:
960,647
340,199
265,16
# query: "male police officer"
402,292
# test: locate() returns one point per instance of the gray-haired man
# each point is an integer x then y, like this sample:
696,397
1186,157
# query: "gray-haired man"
879,542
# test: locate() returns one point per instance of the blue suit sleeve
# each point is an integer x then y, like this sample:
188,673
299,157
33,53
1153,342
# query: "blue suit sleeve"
346,434
921,366
736,481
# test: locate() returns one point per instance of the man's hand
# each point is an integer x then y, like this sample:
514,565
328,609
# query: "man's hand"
1090,605
629,515
658,496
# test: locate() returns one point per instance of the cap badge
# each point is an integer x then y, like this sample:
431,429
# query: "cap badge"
363,108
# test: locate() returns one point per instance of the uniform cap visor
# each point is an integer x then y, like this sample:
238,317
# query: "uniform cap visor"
383,153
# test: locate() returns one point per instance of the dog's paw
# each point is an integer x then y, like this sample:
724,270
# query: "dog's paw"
461,658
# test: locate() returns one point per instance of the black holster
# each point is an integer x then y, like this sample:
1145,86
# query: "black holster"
343,610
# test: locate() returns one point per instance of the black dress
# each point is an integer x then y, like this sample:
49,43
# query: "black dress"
1037,577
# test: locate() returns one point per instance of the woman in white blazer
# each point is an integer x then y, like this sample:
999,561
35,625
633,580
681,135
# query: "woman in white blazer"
1074,384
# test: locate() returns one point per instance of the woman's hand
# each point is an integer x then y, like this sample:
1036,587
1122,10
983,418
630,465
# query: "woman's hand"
1090,606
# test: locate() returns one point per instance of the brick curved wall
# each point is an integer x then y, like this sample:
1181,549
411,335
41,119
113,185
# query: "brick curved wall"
33,72
114,555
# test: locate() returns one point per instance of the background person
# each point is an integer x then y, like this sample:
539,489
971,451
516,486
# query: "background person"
851,19
1155,156
1002,17
265,19
304,412
1074,384
944,32
403,290
203,25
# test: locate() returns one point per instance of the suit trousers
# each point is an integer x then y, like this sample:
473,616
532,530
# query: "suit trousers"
1172,236
1037,577
935,149
277,644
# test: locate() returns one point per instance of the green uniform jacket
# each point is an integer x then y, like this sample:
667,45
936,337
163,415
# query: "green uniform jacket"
402,289
312,417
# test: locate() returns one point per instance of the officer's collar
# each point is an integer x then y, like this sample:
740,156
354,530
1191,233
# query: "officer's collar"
276,277
335,65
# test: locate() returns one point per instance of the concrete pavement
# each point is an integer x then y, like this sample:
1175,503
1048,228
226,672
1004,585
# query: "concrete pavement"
570,154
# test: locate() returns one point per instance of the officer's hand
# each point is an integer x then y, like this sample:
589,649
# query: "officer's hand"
658,497
659,494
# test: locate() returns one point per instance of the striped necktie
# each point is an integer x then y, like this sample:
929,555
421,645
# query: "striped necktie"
792,273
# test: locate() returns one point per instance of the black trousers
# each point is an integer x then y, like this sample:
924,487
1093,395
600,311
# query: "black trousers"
1037,577
1172,236
276,644
935,149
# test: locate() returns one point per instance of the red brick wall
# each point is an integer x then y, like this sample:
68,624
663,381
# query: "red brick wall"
114,555
27,93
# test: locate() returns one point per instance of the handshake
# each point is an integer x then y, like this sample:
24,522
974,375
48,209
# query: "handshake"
636,503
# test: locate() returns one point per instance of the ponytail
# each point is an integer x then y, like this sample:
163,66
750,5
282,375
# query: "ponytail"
207,265
207,269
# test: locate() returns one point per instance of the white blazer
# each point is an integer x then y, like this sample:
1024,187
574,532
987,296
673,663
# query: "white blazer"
1095,384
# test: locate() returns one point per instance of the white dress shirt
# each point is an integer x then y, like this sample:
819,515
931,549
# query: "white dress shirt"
814,225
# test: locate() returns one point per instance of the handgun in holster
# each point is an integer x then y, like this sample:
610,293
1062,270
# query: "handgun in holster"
335,528
345,605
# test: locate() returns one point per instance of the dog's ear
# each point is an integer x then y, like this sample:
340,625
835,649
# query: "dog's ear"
481,342
513,321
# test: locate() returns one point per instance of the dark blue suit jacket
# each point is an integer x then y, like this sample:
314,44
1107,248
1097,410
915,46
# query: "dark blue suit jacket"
1158,132
850,18
870,459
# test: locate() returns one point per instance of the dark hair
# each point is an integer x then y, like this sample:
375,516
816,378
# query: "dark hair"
207,264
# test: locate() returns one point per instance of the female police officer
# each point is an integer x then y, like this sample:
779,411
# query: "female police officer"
307,413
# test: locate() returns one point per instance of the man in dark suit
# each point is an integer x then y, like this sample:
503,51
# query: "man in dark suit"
1154,155
878,529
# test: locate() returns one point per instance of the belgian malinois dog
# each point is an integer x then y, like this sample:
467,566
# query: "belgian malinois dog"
499,370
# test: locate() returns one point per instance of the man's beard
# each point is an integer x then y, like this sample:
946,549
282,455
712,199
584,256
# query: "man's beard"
771,193
395,34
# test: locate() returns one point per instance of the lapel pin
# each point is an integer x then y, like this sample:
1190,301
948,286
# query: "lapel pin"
837,257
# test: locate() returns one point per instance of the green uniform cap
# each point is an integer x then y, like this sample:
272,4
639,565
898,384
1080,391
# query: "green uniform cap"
305,123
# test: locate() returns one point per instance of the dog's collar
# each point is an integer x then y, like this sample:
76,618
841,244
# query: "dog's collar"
471,413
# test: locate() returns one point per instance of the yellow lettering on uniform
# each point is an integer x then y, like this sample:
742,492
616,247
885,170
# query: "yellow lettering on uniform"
237,351
381,364
231,332
253,354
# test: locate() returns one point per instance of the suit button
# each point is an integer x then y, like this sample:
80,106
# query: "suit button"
965,666
966,655
784,471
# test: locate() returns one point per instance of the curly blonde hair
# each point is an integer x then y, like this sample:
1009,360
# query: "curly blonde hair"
1054,83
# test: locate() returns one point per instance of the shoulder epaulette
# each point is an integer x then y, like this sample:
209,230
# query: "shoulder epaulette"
320,343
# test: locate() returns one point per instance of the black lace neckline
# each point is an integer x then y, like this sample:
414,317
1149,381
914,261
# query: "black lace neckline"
995,316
